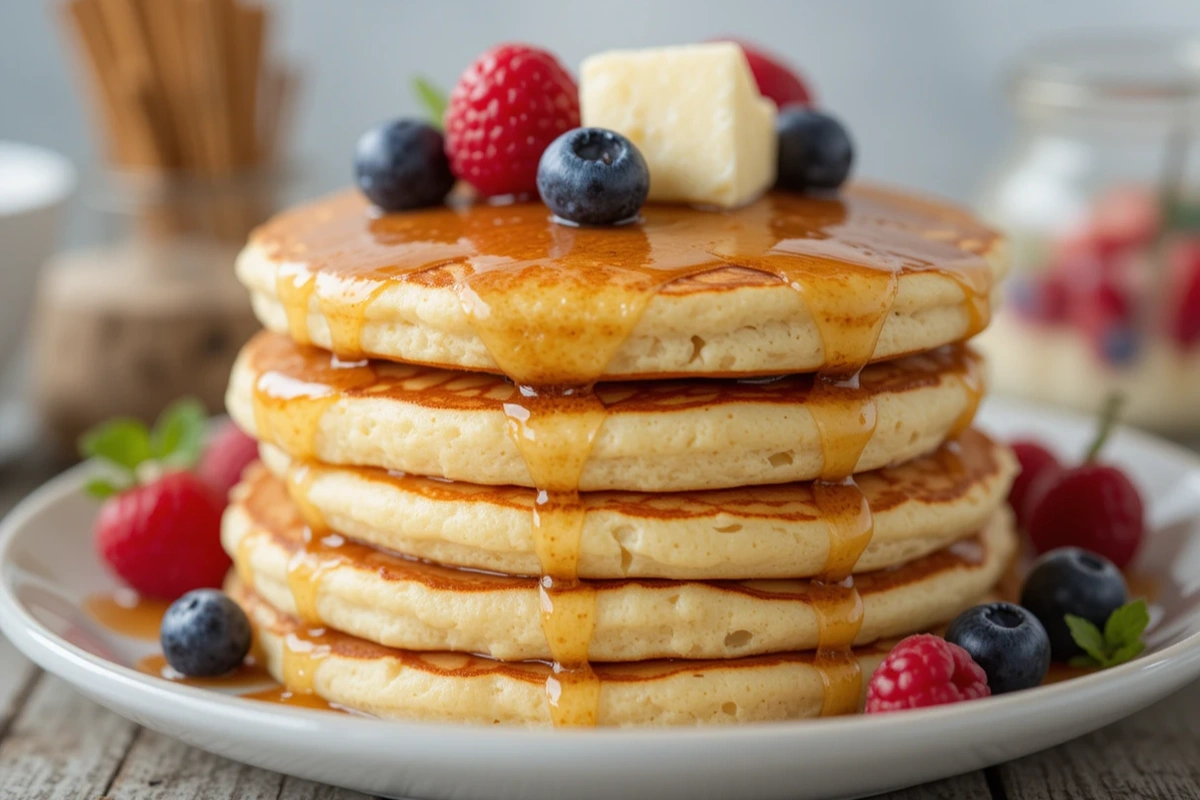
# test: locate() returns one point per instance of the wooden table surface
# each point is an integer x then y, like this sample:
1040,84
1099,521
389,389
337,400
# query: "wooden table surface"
55,744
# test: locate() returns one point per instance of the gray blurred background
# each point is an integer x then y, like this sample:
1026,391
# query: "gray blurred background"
920,82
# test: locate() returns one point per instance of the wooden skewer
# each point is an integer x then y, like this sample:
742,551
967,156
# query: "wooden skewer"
209,65
164,29
186,87
86,25
250,36
126,29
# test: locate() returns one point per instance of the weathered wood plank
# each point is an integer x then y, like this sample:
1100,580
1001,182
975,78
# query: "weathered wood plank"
296,789
61,745
1154,754
16,682
160,768
972,786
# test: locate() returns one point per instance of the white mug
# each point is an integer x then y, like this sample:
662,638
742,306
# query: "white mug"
34,185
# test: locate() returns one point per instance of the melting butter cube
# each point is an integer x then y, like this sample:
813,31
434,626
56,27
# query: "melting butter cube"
695,113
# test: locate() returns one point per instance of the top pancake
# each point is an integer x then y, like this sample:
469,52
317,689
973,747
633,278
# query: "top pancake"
790,283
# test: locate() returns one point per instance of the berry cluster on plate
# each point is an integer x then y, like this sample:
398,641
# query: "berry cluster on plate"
1087,522
512,129
163,490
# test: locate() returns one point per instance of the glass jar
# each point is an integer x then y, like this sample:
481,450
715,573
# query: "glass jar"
151,311
1100,198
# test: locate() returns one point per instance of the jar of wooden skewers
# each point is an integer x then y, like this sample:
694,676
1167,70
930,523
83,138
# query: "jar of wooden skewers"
193,113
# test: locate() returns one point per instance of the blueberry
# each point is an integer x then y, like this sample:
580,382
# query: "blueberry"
1071,580
1007,641
402,164
205,634
815,152
1119,344
593,176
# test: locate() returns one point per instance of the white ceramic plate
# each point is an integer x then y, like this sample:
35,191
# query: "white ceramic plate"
47,567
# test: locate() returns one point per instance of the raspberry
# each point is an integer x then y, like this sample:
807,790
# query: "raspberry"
228,454
507,107
1035,460
1093,506
164,537
1183,304
925,670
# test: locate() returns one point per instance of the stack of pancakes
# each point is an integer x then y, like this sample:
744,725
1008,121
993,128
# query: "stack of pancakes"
697,469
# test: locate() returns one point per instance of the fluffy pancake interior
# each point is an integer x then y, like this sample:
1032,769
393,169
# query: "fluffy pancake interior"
414,605
750,532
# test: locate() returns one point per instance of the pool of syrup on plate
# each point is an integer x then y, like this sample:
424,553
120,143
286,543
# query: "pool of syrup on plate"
125,613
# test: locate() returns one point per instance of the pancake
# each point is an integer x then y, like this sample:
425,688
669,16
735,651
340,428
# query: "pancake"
789,283
678,435
454,687
752,532
413,605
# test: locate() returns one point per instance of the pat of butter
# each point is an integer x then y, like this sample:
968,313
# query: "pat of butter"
695,113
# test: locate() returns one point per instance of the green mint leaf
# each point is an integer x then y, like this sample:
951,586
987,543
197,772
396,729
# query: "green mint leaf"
178,435
101,488
1125,625
1087,636
432,99
1125,653
1084,662
124,443
1180,215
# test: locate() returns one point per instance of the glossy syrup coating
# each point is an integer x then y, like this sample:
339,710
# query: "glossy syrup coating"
553,304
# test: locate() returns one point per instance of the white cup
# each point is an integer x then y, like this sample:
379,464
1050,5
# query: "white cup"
34,185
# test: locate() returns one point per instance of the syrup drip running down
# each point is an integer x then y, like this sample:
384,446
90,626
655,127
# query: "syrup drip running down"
555,431
318,553
303,652
553,305
295,285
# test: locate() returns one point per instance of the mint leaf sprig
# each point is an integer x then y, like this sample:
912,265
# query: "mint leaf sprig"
432,98
1120,641
125,449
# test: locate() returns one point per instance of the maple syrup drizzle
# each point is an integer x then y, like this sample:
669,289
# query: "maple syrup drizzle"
303,652
307,567
282,695
971,379
554,431
299,481
319,552
125,612
346,315
287,412
243,557
250,673
850,310
127,616
554,304
295,284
